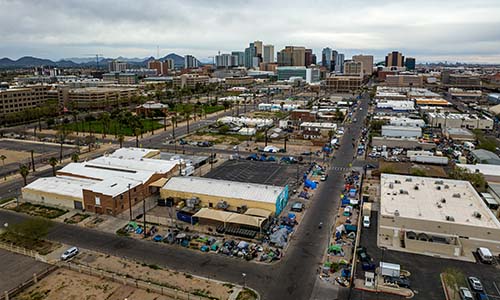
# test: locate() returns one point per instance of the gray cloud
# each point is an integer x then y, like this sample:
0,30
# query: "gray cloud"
427,29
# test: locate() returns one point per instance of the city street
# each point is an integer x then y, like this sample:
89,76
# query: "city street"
294,277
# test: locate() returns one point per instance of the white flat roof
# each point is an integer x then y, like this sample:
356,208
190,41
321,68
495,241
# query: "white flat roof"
398,195
132,153
485,169
61,185
114,186
225,188
101,172
142,164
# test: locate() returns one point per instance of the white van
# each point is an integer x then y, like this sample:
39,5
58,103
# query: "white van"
366,221
485,255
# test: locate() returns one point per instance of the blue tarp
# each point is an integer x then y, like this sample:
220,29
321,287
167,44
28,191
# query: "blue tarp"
310,184
352,192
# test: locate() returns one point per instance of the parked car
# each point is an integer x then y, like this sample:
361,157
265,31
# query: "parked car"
297,207
485,255
366,221
475,284
401,282
482,296
465,294
71,252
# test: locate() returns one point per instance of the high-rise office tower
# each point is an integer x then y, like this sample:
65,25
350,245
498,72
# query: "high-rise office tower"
117,66
190,62
339,62
268,55
250,53
326,58
394,59
292,56
410,63
308,57
367,61
258,48
240,58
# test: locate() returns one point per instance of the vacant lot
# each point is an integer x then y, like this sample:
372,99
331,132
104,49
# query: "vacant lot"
258,172
16,156
70,285
17,269
409,168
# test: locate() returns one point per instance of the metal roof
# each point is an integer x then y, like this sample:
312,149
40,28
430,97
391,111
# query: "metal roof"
225,188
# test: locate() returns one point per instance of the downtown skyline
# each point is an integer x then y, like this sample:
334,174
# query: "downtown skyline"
428,30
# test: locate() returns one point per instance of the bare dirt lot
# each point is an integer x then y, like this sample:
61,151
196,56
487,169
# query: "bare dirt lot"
15,156
409,168
70,285
153,273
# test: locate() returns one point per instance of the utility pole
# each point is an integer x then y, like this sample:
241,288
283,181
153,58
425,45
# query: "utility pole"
129,202
144,214
33,160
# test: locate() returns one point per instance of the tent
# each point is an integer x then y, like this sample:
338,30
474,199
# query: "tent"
310,184
258,212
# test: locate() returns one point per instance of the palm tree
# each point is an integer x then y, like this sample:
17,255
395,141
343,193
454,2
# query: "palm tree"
3,158
188,109
137,131
75,157
24,171
121,138
53,163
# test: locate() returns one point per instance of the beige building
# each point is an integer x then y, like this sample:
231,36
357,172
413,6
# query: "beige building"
456,120
95,97
343,84
353,68
246,80
404,80
367,61
215,193
435,216
18,99
105,185
190,80
292,56
161,67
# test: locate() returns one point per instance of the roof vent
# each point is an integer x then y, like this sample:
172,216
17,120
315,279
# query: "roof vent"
443,200
450,218
456,195
396,213
408,179
477,215
438,182
446,186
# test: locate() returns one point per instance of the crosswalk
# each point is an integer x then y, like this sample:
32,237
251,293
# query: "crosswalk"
341,168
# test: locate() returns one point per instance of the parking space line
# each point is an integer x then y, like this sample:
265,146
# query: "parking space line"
496,288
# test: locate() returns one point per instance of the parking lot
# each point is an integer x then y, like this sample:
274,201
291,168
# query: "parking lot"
259,172
17,269
425,270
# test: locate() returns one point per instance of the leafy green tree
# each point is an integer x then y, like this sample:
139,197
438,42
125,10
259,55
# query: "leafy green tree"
121,138
476,179
75,157
224,129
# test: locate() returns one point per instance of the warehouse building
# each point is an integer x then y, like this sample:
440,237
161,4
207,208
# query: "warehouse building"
455,120
105,185
401,131
435,217
231,195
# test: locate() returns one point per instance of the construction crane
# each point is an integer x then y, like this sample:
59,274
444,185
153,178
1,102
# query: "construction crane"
96,59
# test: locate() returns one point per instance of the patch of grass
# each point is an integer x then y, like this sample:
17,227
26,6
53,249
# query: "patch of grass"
39,210
6,200
247,294
43,247
228,285
97,126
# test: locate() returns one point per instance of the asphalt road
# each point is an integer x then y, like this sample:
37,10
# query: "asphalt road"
293,277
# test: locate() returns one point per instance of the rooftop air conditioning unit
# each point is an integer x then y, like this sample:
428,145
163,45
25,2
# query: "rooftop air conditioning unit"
450,218
477,215
396,213
456,195
438,182
443,200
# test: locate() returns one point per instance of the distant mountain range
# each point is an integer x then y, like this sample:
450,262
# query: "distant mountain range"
75,62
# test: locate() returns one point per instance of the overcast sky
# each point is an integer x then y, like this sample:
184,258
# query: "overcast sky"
430,30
